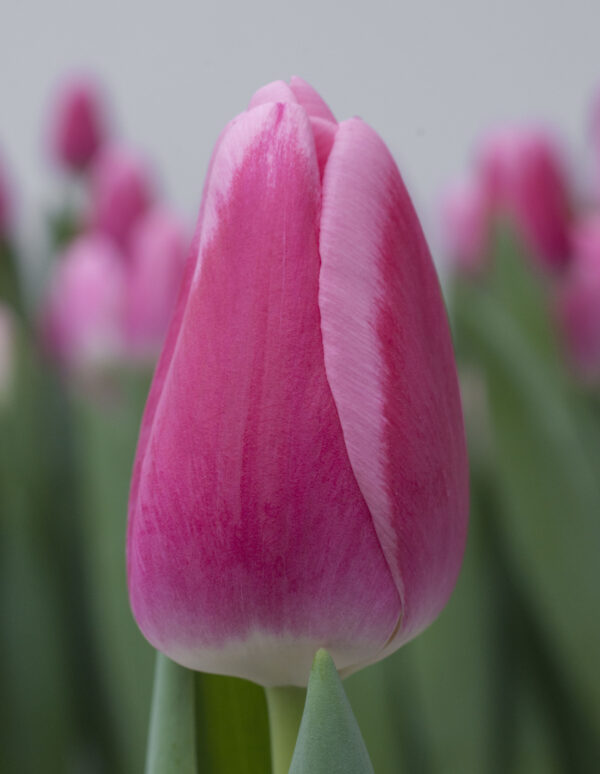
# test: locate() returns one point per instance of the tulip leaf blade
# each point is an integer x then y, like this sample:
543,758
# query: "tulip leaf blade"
172,737
551,495
329,739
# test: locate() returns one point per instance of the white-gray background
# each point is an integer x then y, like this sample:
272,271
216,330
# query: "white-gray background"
429,76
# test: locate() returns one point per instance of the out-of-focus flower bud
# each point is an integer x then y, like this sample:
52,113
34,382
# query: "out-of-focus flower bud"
579,300
301,474
155,265
82,320
78,123
465,216
6,201
522,170
7,353
121,191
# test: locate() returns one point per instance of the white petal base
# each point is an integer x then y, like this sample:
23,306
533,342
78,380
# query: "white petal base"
273,660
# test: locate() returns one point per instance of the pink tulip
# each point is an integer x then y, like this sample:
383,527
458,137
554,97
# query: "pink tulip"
83,314
6,204
466,225
78,123
158,248
301,474
7,353
523,172
579,300
121,190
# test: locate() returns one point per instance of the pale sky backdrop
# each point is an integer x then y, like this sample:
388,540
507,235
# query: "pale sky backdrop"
429,76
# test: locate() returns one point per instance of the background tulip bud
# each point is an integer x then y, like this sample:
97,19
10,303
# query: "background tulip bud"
301,475
78,123
121,191
465,224
155,264
84,308
523,172
579,300
5,201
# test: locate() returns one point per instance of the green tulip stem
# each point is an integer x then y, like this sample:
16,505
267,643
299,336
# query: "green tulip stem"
172,738
285,713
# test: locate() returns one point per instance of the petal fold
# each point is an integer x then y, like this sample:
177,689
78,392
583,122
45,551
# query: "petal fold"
390,366
311,100
276,91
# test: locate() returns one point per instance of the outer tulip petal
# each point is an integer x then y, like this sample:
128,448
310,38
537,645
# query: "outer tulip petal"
389,363
277,91
311,100
242,474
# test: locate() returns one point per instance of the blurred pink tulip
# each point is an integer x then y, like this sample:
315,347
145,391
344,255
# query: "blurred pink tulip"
466,225
82,321
6,202
579,300
7,353
121,191
301,474
158,249
78,123
523,172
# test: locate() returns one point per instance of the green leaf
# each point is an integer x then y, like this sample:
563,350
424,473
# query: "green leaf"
107,427
547,479
329,740
232,726
43,659
171,741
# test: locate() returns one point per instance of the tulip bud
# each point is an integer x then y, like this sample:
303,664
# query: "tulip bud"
301,474
523,172
121,191
78,123
579,300
158,247
466,225
82,319
7,354
6,203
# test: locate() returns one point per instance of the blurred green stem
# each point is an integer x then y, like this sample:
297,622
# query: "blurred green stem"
285,707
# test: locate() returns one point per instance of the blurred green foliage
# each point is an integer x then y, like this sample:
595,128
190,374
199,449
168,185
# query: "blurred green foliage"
505,681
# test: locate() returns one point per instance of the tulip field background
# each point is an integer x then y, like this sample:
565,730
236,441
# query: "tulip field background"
507,679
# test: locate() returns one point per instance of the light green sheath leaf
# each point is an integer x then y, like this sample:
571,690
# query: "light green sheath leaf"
172,738
329,740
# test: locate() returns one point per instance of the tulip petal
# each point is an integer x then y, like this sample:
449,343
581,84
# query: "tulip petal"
311,100
324,135
276,91
390,365
245,509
